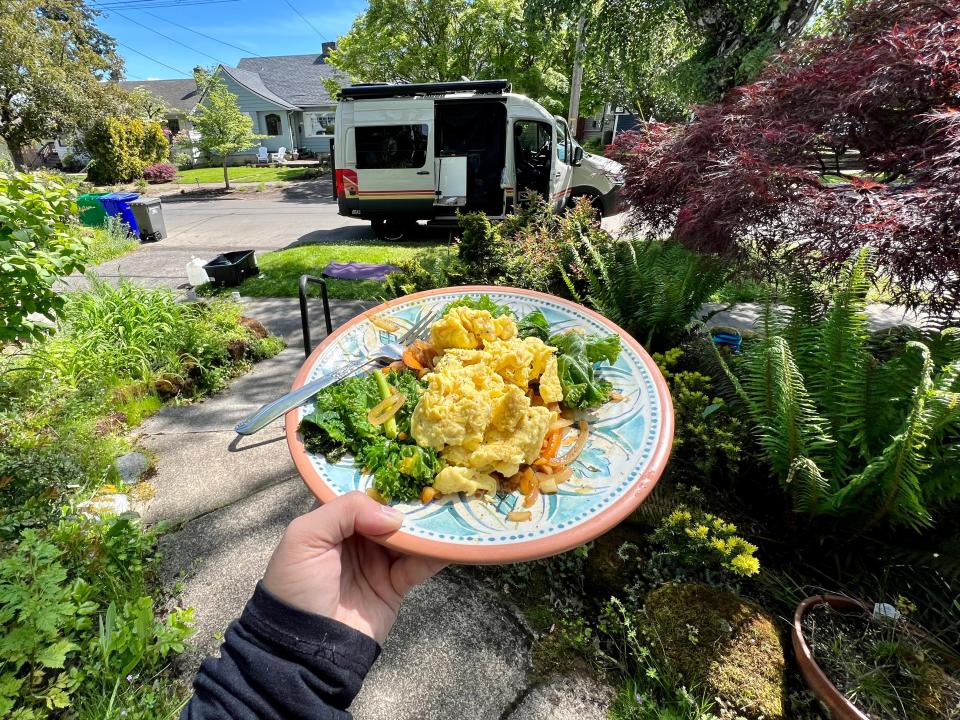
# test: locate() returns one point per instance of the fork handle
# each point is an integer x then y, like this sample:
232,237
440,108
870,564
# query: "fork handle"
271,411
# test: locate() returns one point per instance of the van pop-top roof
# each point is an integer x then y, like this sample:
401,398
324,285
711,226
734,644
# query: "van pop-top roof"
369,91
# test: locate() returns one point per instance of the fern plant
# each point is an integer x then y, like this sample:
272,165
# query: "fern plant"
652,289
847,429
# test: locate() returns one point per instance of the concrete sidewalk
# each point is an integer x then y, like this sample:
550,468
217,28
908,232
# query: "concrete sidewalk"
458,650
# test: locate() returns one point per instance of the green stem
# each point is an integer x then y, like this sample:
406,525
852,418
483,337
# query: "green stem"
390,426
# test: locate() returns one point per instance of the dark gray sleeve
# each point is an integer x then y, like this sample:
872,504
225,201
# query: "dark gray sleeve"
277,662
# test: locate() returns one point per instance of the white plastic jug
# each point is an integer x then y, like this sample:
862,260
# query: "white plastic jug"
196,275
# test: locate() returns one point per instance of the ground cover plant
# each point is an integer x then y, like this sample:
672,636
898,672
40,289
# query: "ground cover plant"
112,240
85,629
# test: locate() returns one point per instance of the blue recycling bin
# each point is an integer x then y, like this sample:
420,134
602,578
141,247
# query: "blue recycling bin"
118,205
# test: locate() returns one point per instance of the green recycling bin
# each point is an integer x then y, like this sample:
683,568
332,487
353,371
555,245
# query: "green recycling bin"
91,209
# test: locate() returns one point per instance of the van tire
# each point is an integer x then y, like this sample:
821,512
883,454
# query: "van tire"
394,230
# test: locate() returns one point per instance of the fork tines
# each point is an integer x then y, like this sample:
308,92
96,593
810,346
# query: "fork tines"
419,330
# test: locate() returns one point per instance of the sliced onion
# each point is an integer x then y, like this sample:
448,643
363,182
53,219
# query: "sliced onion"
386,409
548,486
384,323
577,448
615,396
519,515
560,424
530,499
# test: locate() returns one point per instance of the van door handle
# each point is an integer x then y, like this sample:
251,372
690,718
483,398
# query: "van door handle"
423,172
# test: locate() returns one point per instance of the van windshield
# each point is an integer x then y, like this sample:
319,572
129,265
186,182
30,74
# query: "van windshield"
391,146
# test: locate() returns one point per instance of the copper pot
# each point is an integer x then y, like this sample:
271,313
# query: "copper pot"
840,708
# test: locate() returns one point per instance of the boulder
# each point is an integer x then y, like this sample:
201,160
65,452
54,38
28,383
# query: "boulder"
724,645
131,467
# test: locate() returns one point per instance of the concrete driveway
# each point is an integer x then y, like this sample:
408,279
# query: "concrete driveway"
207,225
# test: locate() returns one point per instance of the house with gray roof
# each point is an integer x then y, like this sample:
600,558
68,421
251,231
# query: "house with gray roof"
284,95
179,98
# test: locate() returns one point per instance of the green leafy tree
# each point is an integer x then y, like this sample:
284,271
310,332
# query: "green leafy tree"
121,147
430,40
854,425
223,128
658,58
38,246
53,64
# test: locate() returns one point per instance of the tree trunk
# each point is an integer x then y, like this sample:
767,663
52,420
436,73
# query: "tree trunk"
16,154
226,177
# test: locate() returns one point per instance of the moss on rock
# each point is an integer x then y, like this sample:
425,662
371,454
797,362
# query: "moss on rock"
722,645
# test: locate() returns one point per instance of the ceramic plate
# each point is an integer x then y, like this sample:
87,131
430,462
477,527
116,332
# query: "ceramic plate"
628,445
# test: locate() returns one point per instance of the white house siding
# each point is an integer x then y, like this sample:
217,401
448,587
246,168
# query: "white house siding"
254,104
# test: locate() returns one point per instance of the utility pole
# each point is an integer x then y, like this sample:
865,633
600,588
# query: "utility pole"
576,79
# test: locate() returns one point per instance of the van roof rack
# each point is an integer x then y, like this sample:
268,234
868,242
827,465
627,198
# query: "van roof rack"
385,90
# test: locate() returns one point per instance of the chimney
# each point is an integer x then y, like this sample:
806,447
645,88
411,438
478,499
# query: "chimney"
326,48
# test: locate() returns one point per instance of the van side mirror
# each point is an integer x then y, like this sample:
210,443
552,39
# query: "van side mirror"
578,155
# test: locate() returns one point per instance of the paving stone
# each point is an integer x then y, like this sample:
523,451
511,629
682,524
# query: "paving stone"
565,697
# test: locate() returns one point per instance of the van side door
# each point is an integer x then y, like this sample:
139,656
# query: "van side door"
560,180
393,158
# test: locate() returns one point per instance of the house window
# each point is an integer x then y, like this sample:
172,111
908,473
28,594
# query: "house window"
319,123
272,121
173,124
391,146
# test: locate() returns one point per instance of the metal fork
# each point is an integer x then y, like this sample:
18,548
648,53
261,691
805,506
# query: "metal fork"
389,352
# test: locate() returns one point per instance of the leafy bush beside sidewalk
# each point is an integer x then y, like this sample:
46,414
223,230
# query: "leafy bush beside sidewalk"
82,618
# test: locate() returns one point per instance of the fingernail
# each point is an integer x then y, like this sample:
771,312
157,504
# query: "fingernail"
391,512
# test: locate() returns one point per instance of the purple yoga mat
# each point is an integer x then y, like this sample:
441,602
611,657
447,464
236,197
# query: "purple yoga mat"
358,271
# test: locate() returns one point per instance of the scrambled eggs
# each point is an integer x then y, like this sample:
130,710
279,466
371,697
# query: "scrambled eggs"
468,329
475,410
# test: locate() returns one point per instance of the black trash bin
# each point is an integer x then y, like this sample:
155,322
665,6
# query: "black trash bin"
149,214
232,268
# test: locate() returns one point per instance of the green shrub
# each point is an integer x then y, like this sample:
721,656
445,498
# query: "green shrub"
74,625
710,442
38,246
851,428
110,241
650,288
121,147
429,269
691,540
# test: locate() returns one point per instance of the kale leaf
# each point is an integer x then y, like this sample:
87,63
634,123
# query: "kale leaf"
534,325
576,355
479,303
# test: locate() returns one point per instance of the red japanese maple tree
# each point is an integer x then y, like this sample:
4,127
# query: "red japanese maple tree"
744,178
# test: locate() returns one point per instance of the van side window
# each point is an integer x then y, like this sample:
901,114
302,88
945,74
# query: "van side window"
562,142
391,146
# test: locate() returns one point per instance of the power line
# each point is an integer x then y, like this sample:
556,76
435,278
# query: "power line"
140,4
147,27
304,18
152,59
201,34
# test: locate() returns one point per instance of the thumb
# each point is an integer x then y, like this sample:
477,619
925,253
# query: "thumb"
344,516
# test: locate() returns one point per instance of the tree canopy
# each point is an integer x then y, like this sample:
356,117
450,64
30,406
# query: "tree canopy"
434,40
223,128
53,61
658,57
746,177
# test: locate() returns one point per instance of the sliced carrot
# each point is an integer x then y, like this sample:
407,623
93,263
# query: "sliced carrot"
411,360
530,499
528,482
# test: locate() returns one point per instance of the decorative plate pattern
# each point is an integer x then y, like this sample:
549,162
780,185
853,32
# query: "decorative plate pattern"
627,447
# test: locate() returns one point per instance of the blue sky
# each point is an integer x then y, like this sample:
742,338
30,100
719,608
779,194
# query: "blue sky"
262,28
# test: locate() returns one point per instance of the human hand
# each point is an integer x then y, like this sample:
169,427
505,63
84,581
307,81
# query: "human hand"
326,564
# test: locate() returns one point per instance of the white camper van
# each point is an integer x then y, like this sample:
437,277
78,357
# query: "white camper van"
404,153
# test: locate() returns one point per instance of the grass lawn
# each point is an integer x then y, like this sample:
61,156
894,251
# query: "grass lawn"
280,271
241,174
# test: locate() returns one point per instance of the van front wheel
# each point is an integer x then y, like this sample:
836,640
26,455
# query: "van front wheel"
394,230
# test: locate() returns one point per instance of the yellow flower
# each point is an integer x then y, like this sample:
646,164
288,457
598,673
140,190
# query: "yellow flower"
745,565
